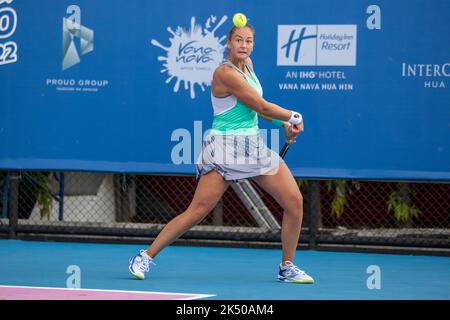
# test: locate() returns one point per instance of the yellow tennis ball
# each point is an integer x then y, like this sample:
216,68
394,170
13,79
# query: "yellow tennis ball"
240,20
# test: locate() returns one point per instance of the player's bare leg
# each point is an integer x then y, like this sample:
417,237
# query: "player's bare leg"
283,188
210,189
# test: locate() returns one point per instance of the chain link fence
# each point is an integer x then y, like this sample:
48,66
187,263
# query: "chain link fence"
389,213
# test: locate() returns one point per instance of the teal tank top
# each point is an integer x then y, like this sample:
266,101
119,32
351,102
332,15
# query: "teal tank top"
240,119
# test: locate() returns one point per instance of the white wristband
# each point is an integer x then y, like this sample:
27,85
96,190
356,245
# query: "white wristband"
296,118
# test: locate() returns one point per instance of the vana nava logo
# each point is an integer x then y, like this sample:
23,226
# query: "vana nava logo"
193,54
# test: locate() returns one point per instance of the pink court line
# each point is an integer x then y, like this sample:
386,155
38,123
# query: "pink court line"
47,293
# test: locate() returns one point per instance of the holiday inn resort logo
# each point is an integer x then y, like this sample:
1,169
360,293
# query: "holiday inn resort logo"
316,47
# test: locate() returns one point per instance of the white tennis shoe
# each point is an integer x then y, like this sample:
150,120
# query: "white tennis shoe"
140,264
291,273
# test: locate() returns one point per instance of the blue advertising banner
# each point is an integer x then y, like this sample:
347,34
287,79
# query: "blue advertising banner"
125,87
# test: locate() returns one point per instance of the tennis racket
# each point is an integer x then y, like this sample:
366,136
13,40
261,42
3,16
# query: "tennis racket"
285,149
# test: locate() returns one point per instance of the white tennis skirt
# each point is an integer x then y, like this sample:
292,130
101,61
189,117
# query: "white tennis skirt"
237,157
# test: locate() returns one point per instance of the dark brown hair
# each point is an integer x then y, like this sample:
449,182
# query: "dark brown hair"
235,28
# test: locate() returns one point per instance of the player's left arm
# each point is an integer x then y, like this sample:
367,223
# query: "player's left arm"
263,116
290,131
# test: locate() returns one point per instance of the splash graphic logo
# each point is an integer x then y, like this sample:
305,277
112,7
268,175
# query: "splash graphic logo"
316,45
193,54
73,29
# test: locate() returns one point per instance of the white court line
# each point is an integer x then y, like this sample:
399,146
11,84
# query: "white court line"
196,295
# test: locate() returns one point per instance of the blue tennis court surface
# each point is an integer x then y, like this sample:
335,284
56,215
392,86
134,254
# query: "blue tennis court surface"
224,273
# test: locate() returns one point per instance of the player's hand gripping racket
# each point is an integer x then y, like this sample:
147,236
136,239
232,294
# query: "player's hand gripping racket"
286,146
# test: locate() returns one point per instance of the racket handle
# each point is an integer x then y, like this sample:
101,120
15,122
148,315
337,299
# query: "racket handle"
286,145
284,150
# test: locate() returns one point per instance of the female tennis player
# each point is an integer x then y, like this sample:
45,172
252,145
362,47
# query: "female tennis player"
234,150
